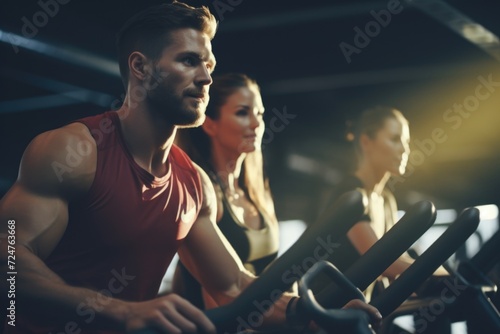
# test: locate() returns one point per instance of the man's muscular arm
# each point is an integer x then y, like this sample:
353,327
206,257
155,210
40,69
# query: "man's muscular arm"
38,202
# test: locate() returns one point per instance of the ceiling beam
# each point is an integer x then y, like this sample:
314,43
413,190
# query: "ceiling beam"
52,101
66,94
66,53
461,24
264,21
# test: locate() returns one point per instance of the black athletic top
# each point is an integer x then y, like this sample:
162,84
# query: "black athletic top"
256,248
346,254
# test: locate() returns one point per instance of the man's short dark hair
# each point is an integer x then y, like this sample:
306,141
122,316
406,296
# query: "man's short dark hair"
149,30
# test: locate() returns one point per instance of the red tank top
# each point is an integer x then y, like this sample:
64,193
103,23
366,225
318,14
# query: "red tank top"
122,235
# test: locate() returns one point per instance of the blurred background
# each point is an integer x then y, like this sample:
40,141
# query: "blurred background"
319,64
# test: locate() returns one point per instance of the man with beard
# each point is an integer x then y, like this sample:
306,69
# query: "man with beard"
102,205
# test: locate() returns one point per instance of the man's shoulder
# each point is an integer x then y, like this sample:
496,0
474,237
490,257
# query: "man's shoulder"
58,141
62,158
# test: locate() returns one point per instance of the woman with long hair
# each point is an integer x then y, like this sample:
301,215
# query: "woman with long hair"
228,147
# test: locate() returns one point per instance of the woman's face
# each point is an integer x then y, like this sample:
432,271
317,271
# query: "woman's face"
240,127
388,151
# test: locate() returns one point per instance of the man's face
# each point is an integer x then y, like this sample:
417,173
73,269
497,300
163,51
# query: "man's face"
178,86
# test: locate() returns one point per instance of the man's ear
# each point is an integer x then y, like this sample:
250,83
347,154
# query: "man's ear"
209,126
138,65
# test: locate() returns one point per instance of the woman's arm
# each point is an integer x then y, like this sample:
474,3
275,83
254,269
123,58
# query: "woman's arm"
363,237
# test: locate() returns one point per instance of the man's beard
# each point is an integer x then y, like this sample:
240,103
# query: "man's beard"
172,108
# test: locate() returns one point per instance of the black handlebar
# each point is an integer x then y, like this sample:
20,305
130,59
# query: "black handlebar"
343,321
383,253
428,262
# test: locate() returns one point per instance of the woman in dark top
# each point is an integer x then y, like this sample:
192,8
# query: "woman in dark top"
228,146
381,138
350,252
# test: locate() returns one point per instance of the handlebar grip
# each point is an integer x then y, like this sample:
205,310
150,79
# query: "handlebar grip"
343,321
428,262
418,218
336,276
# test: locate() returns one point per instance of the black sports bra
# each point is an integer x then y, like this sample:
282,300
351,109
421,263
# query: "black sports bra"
256,248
